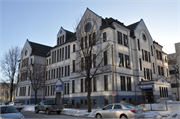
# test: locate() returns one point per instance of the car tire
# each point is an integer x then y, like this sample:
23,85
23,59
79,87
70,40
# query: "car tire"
58,112
98,116
123,117
36,110
47,112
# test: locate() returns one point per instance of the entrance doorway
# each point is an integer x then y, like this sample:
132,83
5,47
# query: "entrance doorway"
58,97
149,95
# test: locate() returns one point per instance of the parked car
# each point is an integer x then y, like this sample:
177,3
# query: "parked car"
120,110
10,112
48,106
17,105
6,103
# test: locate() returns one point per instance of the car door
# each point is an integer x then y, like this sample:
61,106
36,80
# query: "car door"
106,111
116,111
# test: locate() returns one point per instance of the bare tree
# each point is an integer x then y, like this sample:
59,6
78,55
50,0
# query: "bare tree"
174,67
90,53
36,74
9,66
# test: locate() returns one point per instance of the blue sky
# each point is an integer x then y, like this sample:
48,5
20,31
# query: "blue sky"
40,20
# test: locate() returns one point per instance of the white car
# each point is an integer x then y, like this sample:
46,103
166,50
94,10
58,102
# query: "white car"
10,112
17,105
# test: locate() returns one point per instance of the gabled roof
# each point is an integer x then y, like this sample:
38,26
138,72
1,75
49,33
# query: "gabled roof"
39,49
132,27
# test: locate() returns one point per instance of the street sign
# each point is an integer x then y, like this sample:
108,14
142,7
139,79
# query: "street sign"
58,87
113,93
146,87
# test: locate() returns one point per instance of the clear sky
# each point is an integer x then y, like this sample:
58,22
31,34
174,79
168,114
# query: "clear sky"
40,20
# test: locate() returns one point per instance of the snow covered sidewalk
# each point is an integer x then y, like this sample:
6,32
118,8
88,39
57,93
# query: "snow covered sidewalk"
175,114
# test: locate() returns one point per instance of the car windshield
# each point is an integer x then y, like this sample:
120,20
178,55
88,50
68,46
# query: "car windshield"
51,102
129,105
9,109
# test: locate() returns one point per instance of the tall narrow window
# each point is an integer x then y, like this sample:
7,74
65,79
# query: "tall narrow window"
73,83
162,70
73,65
149,57
129,83
94,38
148,76
160,91
60,40
104,37
151,50
138,44
142,54
94,84
144,73
146,56
157,54
57,55
90,40
68,70
119,37
160,55
64,88
65,71
74,47
29,90
167,92
67,88
57,73
94,60
140,64
159,70
121,60
62,53
105,58
68,51
81,43
62,72
125,40
81,85
86,42
63,39
123,84
154,68
105,82
82,64
127,61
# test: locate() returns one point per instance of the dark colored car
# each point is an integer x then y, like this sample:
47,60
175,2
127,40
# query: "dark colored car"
48,106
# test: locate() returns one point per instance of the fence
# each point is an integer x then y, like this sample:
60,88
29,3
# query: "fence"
163,106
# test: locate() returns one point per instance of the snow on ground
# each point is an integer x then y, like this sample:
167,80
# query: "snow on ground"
174,111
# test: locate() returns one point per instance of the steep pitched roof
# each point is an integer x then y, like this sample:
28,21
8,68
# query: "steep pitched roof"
39,49
132,27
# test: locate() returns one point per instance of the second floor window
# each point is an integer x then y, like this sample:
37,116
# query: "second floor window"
105,82
123,84
74,47
125,40
127,61
121,61
104,37
73,65
105,58
73,86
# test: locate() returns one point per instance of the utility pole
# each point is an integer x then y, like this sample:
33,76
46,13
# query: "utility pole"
113,93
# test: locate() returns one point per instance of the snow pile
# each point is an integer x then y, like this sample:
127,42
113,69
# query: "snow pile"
163,114
171,105
75,112
28,108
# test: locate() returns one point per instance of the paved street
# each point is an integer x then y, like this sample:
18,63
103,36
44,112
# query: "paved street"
28,114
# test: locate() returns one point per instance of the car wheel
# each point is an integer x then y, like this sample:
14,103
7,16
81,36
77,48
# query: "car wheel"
58,112
123,117
36,110
98,116
47,112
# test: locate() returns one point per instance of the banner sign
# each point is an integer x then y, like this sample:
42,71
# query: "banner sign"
58,87
146,87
